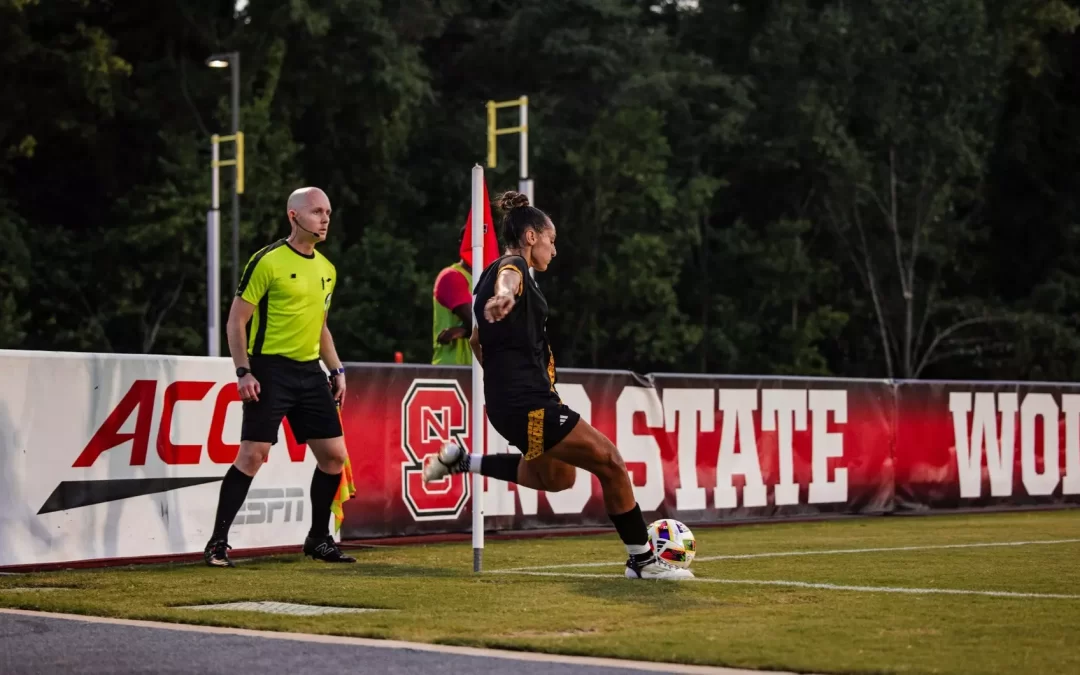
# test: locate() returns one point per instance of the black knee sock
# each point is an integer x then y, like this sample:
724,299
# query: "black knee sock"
501,466
234,489
323,488
631,527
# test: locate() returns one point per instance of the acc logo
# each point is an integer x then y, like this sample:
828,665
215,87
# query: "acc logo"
432,412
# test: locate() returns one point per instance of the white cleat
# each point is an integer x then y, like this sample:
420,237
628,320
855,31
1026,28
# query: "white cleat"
656,569
450,460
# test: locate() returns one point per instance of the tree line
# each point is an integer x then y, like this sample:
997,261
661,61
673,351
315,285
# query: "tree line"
881,188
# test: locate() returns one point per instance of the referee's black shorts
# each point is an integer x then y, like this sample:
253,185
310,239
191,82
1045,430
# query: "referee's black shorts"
293,389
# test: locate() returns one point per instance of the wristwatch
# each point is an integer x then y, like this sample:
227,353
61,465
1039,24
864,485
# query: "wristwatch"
242,371
338,371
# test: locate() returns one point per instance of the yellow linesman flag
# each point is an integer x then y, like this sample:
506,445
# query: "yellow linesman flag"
346,489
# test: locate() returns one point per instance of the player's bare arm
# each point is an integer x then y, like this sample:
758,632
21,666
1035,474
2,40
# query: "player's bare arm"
474,342
329,356
236,331
506,290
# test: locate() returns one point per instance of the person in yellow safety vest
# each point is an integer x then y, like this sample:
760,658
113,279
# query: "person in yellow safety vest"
452,316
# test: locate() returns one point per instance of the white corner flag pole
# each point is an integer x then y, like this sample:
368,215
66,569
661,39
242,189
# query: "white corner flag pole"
476,435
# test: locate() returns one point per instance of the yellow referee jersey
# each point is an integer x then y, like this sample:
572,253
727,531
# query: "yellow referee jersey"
291,292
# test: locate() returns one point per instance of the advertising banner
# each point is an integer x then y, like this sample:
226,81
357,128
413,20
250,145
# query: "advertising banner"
971,444
115,456
697,449
121,456
760,447
395,416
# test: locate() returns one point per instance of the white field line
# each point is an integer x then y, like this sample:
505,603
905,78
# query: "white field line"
828,587
786,554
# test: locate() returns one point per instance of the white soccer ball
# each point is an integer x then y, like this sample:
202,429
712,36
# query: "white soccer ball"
673,542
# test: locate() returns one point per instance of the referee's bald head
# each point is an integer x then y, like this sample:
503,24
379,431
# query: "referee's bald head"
304,196
309,210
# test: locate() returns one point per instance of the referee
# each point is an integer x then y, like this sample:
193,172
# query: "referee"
285,293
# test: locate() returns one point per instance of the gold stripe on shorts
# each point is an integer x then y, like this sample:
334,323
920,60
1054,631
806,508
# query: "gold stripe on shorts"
536,434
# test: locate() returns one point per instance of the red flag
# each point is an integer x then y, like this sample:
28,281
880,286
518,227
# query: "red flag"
491,244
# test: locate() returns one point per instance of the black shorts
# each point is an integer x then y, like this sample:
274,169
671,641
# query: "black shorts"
533,431
293,389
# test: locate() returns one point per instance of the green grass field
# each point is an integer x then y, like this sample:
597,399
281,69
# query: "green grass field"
432,595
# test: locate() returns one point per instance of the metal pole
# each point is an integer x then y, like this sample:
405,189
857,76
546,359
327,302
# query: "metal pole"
213,282
525,185
213,257
476,434
235,64
492,131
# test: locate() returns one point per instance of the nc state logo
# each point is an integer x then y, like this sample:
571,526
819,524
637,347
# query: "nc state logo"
432,412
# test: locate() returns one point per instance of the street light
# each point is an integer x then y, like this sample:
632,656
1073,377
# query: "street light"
226,60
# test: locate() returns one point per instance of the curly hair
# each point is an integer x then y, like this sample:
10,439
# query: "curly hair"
518,217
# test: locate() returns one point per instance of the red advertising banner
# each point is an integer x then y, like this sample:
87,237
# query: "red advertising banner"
700,449
135,470
972,444
774,448
395,416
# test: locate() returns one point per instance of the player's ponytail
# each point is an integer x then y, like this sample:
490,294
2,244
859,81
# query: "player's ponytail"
518,216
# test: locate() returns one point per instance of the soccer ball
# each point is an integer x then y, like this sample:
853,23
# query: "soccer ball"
673,542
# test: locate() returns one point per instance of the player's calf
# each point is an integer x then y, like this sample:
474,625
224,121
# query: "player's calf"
547,474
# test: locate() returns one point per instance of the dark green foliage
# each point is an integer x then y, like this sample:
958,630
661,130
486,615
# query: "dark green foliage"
879,188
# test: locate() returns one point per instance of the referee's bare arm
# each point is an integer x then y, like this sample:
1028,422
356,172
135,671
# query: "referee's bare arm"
329,356
236,330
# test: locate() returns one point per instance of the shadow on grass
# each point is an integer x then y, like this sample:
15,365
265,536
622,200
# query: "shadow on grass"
387,570
617,588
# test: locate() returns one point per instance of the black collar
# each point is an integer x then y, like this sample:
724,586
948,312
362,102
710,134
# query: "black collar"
309,256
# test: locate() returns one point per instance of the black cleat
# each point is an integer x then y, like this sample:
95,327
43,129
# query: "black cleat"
216,554
324,548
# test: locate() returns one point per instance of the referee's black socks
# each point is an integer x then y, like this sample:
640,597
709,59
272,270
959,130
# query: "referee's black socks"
323,488
234,489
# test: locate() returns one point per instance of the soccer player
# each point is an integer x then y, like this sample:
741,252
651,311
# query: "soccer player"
285,292
522,403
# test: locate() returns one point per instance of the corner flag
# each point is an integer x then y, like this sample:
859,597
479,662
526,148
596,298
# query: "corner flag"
491,244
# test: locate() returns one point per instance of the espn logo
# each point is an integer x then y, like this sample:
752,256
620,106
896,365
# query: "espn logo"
261,506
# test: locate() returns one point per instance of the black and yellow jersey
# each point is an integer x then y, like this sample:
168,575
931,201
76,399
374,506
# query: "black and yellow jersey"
291,292
519,367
